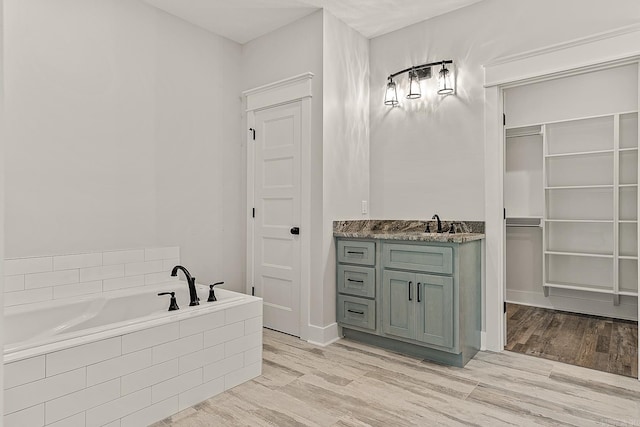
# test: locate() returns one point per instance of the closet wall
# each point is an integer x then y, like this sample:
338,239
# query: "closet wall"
571,183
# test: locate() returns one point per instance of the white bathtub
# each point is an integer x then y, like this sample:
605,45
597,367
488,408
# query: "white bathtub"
122,357
51,325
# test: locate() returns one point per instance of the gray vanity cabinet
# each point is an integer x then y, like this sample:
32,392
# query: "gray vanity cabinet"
416,297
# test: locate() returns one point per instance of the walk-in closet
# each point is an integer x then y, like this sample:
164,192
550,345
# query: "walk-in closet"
571,210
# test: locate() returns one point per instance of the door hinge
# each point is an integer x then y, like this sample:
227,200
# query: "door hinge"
504,122
253,213
253,291
253,132
504,307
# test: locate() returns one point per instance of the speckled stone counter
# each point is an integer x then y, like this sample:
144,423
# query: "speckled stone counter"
412,230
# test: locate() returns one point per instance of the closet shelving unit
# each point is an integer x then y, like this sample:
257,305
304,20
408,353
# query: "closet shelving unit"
588,212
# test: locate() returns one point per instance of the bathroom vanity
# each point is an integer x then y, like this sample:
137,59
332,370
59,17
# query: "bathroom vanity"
410,291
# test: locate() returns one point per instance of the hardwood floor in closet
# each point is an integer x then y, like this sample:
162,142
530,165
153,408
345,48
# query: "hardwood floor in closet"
608,345
348,384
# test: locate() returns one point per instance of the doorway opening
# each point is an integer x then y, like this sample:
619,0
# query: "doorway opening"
571,218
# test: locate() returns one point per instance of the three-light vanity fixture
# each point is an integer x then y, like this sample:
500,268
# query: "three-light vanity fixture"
417,73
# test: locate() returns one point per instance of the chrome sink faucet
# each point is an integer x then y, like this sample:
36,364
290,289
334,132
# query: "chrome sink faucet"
191,281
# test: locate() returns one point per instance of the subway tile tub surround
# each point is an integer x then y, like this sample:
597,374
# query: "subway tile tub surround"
91,343
36,279
131,372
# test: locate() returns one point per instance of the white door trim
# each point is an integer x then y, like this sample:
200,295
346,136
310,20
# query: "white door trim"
296,88
600,50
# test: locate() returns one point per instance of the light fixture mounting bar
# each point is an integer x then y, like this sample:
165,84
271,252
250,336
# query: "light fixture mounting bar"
419,67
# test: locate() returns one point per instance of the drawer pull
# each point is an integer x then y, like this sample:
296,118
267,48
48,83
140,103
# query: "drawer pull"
354,280
355,252
410,298
418,288
356,312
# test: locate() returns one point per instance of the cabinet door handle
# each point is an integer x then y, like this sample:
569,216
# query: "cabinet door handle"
355,252
354,280
418,290
410,284
355,312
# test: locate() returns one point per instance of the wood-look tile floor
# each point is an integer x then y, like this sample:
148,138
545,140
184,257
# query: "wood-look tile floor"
348,384
607,345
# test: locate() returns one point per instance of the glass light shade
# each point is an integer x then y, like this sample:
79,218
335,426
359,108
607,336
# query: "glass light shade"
391,96
414,86
445,86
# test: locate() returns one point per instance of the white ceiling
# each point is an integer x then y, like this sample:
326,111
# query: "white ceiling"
245,20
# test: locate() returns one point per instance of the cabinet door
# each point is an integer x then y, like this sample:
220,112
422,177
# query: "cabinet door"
434,300
398,303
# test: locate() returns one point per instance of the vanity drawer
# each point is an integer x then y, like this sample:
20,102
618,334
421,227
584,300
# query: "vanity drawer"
358,281
357,252
357,312
430,259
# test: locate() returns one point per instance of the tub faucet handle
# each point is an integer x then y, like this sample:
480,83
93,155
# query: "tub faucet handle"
212,292
173,305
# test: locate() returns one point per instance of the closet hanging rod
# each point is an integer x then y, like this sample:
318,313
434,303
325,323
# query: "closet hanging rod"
524,225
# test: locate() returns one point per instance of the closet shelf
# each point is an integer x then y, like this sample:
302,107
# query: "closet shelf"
578,187
628,221
628,149
578,153
532,222
628,293
581,287
580,254
594,221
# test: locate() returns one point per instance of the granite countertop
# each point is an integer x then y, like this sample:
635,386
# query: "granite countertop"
411,230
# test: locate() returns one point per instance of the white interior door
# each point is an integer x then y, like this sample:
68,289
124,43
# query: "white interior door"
277,201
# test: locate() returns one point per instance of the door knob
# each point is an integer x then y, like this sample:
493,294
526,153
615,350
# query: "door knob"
295,230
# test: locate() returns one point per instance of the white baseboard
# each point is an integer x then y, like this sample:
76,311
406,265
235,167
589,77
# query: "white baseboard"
483,340
597,305
323,336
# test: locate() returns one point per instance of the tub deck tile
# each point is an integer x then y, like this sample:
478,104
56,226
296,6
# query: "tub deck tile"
149,337
40,391
83,355
24,371
80,401
32,417
118,367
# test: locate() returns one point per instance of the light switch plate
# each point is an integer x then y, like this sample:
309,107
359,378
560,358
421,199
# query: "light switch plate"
365,207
